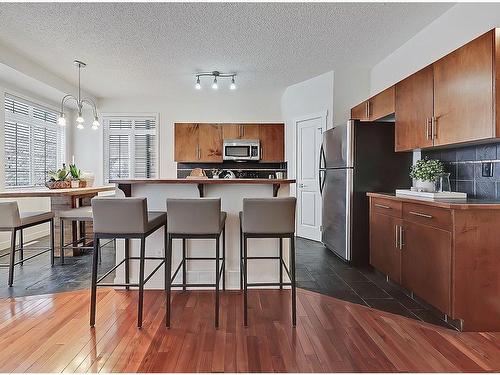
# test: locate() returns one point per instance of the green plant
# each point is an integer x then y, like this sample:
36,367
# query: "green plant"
75,172
427,170
59,175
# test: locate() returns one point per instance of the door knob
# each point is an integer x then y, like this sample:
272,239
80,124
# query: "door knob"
301,185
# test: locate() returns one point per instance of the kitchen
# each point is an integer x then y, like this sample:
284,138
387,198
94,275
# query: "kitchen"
291,211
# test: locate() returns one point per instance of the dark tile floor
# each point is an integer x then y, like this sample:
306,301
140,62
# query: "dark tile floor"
37,276
318,269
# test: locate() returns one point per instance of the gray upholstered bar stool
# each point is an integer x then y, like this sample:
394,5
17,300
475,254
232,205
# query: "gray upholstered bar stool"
268,218
82,215
11,220
124,218
199,218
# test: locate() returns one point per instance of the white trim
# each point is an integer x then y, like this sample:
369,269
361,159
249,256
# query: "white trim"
322,115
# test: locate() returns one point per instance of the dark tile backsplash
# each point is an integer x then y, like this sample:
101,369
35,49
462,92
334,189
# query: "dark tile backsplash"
465,167
245,169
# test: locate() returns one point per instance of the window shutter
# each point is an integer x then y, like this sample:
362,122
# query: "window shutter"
17,154
130,147
34,143
119,156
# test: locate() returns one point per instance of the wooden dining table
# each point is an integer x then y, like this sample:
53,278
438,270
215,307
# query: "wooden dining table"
61,200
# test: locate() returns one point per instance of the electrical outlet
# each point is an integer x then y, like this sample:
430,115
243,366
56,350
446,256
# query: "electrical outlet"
487,169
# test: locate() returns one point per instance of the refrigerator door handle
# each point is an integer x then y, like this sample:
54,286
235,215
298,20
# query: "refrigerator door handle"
322,158
321,183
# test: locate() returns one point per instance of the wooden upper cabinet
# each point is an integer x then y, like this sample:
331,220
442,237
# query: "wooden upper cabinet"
186,142
414,111
272,142
231,131
240,131
375,108
381,105
464,93
251,131
210,143
360,112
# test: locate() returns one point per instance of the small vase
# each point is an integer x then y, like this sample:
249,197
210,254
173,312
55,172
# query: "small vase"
75,183
427,186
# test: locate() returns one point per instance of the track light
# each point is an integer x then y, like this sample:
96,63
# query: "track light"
215,75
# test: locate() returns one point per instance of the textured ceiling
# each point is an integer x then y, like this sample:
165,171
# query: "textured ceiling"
152,49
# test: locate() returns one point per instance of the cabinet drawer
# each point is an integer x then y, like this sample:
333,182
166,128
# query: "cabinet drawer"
386,207
432,216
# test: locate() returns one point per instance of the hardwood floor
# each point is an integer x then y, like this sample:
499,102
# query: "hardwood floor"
50,333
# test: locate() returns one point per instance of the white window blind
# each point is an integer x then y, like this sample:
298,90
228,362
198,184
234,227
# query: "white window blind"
34,143
130,147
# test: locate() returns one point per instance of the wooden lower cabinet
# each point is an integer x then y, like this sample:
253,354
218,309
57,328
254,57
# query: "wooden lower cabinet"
447,254
385,254
426,264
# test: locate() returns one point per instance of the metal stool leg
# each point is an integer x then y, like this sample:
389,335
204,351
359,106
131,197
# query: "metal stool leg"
292,272
127,263
224,258
21,248
12,256
217,280
184,263
241,259
141,282
280,263
168,278
245,282
52,241
93,290
61,241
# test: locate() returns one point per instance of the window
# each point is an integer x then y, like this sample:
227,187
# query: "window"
130,147
34,143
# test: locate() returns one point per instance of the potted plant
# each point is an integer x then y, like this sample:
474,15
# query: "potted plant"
424,174
75,175
58,179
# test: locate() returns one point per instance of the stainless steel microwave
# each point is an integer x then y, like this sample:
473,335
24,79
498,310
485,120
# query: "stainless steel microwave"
241,149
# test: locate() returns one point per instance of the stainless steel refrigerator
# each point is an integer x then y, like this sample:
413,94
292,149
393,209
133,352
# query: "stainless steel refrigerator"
356,158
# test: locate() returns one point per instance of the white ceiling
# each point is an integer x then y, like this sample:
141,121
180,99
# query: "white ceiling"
153,49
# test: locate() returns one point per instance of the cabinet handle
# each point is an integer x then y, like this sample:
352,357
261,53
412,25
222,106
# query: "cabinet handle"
382,206
421,214
428,128
396,235
401,237
433,127
198,153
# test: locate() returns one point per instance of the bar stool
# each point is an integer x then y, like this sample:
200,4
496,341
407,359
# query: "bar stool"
268,218
124,218
199,218
83,215
12,221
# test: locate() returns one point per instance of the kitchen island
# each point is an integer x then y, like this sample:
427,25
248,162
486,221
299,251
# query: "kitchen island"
231,192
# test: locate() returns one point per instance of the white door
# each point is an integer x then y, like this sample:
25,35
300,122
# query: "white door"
309,136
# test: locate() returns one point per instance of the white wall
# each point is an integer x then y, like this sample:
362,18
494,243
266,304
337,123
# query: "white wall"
190,106
459,25
351,86
302,99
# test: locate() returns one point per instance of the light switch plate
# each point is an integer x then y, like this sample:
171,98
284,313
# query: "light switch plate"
487,169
